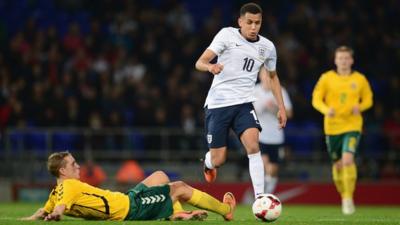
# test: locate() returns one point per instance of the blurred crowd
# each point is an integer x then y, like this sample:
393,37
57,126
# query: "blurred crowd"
108,63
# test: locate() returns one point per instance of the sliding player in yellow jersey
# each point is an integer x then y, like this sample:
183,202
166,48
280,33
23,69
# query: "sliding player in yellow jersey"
341,95
154,198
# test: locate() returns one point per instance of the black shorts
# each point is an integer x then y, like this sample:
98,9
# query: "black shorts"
272,150
219,120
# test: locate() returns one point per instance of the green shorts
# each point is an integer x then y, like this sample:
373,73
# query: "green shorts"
338,144
149,203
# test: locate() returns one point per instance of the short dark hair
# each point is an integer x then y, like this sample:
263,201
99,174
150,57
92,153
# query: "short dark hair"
251,7
56,161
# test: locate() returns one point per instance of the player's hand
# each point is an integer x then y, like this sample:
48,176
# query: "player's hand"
27,218
52,216
356,110
282,118
331,113
215,68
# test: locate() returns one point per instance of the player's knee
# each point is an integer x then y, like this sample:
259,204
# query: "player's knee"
347,162
180,190
179,185
161,175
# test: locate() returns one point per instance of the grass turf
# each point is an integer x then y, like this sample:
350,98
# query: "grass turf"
292,214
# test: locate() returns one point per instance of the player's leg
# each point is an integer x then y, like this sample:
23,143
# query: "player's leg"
156,178
214,158
271,178
159,178
247,128
270,156
334,143
349,176
216,127
337,176
265,159
349,170
181,191
249,139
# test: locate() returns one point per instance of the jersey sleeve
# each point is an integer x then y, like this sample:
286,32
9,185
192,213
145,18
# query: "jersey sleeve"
219,43
318,96
270,62
68,193
366,96
49,206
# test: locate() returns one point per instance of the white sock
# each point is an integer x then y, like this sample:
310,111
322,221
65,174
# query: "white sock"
207,161
256,169
270,184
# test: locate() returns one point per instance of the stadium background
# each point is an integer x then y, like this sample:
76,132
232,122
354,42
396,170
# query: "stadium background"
115,80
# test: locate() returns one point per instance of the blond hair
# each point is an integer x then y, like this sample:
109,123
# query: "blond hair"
56,161
344,48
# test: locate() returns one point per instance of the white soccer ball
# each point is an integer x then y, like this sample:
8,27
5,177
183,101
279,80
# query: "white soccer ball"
267,207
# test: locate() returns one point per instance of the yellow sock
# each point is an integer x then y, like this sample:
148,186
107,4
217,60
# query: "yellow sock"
205,201
338,179
349,180
177,206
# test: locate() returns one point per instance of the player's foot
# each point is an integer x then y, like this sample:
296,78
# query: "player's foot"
229,199
348,206
198,215
210,174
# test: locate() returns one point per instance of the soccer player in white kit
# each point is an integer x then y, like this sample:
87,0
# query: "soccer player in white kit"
242,55
271,137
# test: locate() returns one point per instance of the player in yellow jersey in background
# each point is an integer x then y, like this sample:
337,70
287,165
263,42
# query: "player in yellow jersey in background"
154,198
341,95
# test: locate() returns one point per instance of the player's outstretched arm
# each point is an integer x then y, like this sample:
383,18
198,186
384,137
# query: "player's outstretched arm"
56,214
203,63
38,215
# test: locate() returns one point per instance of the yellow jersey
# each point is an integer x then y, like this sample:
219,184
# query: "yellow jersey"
342,93
88,202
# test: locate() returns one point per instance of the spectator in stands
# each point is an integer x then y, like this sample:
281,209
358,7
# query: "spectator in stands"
92,173
111,32
130,173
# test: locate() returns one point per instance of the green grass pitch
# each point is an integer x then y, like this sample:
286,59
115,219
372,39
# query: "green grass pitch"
291,214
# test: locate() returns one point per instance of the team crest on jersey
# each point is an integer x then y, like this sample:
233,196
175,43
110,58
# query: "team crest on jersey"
209,138
261,52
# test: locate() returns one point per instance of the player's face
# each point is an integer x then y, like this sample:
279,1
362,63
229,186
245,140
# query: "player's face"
71,168
250,25
343,60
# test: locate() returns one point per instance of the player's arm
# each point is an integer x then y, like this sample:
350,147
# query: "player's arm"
288,104
318,98
366,96
40,214
203,63
57,213
277,92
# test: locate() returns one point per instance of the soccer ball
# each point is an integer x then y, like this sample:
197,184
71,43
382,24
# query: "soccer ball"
267,207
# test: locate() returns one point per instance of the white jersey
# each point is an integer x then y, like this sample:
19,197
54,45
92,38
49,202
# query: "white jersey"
270,134
242,61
